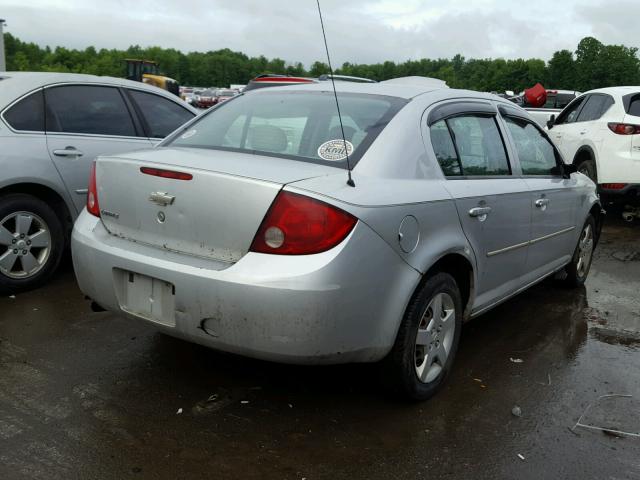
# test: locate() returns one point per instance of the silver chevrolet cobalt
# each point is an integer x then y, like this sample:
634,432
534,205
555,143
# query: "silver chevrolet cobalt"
240,232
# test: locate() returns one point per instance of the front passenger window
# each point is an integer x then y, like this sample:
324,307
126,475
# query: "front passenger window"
570,114
537,155
162,116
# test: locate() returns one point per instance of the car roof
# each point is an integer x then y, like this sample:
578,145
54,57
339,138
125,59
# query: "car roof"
616,90
405,87
14,85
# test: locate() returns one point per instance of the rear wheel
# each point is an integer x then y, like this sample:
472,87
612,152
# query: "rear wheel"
427,340
588,168
31,242
578,270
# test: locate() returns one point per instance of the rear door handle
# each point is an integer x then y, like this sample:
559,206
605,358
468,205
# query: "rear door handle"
542,202
480,212
68,152
583,132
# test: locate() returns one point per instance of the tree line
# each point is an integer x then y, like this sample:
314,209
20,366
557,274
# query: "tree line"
592,65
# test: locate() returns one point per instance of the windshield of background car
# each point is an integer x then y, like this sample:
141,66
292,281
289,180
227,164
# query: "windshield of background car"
296,125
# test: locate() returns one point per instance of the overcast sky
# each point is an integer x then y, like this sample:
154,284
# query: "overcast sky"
359,31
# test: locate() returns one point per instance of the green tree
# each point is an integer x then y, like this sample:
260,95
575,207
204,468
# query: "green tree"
594,65
561,70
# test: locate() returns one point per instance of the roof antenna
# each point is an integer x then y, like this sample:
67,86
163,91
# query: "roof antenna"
350,181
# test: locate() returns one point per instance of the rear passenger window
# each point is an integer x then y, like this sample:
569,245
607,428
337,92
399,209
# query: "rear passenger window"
27,114
88,109
444,149
594,108
537,155
479,145
162,115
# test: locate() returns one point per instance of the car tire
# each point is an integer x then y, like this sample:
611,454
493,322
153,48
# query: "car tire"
588,168
420,362
32,242
578,270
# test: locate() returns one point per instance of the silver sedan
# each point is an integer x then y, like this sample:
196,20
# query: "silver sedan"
241,233
52,126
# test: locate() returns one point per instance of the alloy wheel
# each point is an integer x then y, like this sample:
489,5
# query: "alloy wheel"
25,245
585,250
434,338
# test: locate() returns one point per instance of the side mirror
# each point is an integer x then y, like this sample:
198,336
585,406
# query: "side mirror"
568,169
551,122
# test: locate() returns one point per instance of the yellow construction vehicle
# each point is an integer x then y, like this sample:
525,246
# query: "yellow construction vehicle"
147,71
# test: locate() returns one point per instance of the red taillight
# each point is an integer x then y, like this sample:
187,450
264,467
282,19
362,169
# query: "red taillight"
158,172
299,225
92,195
624,128
613,186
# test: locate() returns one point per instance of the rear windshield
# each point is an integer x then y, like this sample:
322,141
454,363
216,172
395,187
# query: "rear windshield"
558,100
296,125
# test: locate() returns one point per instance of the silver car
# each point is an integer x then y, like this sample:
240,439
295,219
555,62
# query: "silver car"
52,126
241,233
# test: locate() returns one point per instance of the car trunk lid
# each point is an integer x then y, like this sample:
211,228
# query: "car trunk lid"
214,214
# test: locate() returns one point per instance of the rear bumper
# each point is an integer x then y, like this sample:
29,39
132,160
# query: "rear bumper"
339,306
630,193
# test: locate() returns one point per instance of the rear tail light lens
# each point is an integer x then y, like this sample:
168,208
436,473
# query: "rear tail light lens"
613,186
93,206
299,225
624,128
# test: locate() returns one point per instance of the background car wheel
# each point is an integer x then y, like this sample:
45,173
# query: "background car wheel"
427,340
588,168
578,270
31,243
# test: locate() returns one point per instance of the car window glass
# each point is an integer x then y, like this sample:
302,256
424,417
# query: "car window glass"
634,107
537,155
88,109
592,109
162,115
564,99
27,114
569,114
479,145
293,128
444,149
606,105
296,125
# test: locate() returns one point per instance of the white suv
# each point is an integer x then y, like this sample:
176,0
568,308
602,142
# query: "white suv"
599,132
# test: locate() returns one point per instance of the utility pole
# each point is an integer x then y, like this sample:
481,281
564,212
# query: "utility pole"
3,65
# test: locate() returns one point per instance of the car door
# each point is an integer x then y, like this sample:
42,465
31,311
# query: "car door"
82,122
585,130
554,197
493,205
159,115
564,128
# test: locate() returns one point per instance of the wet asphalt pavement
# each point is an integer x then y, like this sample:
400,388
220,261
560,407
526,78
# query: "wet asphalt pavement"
92,395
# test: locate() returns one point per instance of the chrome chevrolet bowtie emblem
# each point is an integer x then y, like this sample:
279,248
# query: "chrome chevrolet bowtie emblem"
161,198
